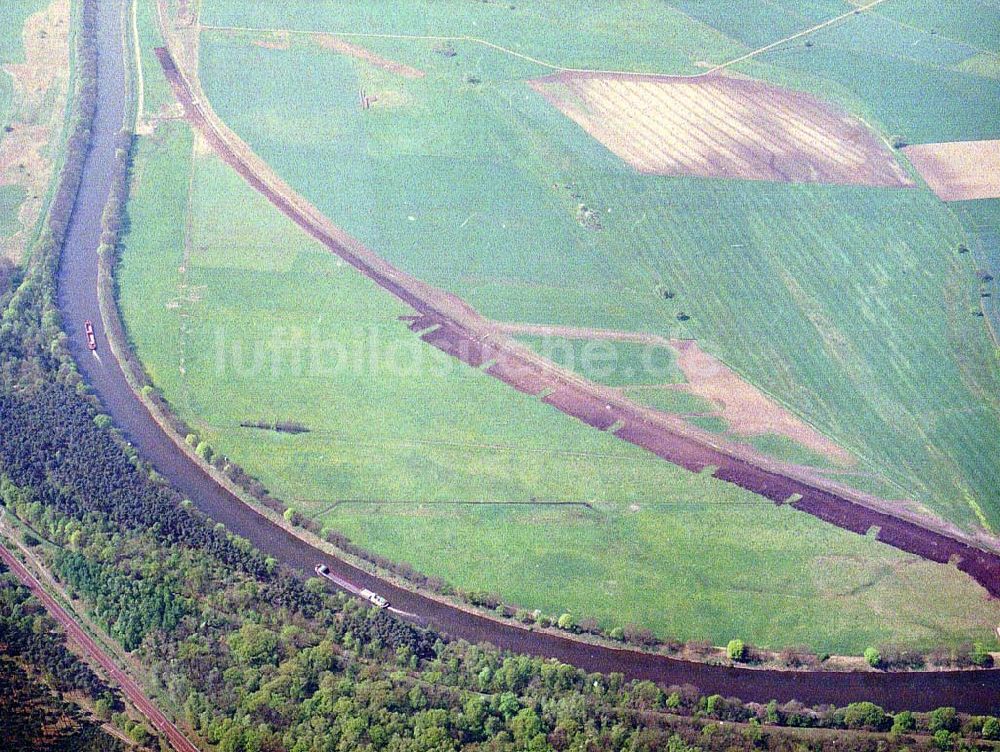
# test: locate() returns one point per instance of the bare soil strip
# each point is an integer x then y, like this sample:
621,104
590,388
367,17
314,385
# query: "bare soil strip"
747,409
128,685
456,328
959,170
722,127
743,406
330,42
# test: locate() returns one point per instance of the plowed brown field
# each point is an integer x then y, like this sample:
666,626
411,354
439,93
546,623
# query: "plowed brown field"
960,170
716,126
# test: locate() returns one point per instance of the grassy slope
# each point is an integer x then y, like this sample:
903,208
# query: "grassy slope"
806,273
694,557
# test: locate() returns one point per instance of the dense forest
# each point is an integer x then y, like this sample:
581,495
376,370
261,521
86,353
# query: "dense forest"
28,634
33,717
37,676
260,659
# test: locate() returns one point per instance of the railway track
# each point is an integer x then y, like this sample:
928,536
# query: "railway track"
129,687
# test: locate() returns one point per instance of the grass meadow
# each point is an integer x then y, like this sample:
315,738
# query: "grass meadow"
421,464
156,89
851,306
856,300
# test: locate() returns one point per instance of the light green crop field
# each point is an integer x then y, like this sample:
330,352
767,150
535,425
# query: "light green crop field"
905,68
156,89
258,327
982,222
850,305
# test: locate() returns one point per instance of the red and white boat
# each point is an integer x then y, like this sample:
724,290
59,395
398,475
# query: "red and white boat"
91,338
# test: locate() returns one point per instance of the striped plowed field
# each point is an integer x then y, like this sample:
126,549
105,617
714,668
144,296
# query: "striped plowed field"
722,127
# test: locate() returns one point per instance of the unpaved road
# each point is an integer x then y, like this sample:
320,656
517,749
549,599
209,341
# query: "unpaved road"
128,686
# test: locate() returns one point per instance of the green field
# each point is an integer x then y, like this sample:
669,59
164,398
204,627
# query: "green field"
981,220
852,306
156,90
695,569
640,35
474,187
679,552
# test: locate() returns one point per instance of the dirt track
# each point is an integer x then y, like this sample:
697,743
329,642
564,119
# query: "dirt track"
331,42
454,327
128,686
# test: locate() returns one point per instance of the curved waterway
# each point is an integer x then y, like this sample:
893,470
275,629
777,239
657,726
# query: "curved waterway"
972,691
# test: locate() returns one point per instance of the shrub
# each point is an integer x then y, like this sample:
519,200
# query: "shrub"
894,657
991,727
736,650
102,708
795,657
865,715
524,616
713,704
589,625
903,722
639,635
566,621
942,719
980,656
204,451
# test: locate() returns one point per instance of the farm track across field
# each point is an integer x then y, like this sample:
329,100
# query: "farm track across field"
538,61
454,327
